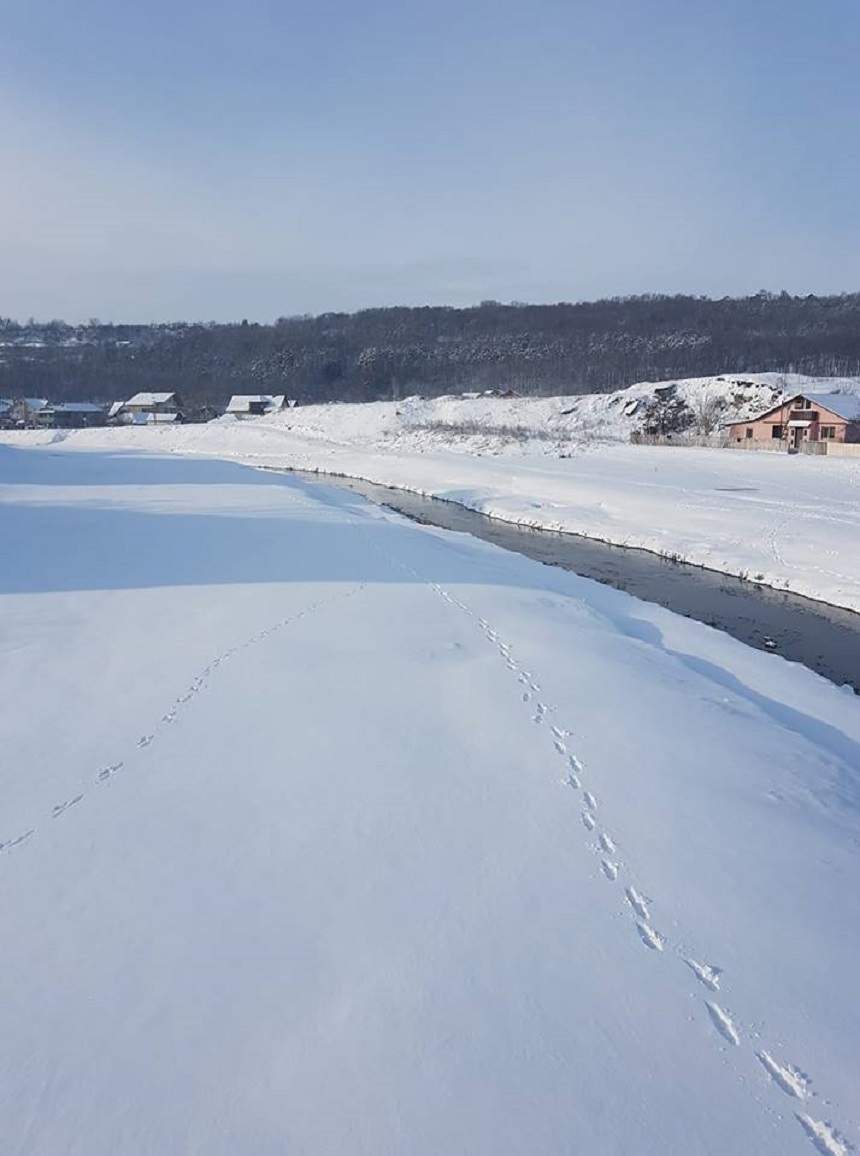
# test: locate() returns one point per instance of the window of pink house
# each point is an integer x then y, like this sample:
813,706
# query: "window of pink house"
827,431
776,431
749,432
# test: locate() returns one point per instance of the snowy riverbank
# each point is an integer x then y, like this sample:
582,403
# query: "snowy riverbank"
790,522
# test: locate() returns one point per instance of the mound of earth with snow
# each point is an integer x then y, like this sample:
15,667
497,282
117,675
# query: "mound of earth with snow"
488,423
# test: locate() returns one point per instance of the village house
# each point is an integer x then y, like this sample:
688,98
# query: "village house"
806,417
148,409
71,415
21,412
245,405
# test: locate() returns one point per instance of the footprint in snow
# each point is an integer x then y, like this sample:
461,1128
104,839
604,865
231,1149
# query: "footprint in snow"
108,772
649,936
706,973
588,820
606,844
790,1079
18,840
609,869
824,1136
638,902
61,807
590,801
722,1021
573,781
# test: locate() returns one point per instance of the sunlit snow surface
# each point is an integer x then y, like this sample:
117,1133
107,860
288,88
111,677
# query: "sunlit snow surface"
328,833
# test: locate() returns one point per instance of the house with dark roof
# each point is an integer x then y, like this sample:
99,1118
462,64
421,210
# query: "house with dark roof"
72,415
806,417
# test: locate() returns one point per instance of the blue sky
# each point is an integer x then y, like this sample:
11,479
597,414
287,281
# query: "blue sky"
217,161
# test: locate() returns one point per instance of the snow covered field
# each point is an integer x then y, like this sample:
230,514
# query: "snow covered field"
328,833
789,522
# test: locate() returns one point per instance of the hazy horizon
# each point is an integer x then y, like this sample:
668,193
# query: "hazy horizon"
210,162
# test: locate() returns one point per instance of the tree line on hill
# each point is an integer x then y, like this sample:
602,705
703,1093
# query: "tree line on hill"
391,352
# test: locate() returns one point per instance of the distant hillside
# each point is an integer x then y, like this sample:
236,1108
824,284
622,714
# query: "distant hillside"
383,353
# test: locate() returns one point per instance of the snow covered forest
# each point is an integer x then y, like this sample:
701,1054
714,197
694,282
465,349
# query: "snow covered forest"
384,353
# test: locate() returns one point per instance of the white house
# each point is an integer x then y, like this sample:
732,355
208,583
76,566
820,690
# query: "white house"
244,405
148,409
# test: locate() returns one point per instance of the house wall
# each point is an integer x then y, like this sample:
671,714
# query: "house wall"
157,407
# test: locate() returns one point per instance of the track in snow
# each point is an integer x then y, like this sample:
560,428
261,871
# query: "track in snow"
785,1077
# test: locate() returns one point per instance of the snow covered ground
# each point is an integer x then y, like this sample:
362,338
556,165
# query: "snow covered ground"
789,522
324,832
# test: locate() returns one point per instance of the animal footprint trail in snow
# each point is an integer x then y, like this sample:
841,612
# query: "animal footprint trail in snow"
823,1135
722,1021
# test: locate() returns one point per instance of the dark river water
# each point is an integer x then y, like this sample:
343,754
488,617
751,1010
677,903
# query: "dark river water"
824,638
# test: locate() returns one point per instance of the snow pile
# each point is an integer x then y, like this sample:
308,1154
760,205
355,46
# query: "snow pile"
553,426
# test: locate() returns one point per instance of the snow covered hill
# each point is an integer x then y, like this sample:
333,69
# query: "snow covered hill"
553,426
325,832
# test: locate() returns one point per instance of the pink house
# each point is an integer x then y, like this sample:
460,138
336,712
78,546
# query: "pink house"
804,417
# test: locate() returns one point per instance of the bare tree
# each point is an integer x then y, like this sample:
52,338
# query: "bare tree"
707,409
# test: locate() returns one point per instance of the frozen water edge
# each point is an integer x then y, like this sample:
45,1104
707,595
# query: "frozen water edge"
824,638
